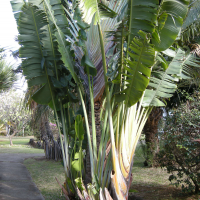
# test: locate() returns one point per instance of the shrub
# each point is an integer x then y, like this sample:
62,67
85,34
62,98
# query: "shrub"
180,153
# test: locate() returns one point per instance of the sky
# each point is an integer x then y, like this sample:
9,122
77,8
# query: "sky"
8,25
8,32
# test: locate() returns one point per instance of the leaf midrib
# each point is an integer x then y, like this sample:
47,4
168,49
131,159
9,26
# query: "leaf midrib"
134,75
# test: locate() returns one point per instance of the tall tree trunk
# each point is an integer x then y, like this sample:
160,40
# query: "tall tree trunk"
23,131
151,137
11,136
97,109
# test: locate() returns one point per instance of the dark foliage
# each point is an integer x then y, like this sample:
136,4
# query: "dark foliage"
181,154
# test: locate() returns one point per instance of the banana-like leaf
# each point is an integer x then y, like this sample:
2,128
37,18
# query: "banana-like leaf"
191,62
191,25
32,51
176,11
93,8
63,46
58,10
79,127
142,56
16,7
116,62
162,81
143,16
87,63
50,45
94,52
43,95
192,16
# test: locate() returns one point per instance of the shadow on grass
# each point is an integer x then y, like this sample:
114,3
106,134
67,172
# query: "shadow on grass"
145,191
153,184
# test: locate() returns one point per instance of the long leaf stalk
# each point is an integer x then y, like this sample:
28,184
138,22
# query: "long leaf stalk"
65,133
104,137
119,110
108,100
102,147
69,121
88,135
107,171
116,174
93,120
105,148
140,128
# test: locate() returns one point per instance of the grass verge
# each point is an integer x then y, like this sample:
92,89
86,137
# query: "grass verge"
43,173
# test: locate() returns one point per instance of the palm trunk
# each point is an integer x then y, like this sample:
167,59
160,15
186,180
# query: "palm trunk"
151,137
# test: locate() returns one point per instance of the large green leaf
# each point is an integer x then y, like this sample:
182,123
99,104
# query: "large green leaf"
142,57
142,16
176,11
191,61
79,127
57,9
162,83
31,50
87,63
94,9
43,95
192,16
191,25
63,46
16,7
33,63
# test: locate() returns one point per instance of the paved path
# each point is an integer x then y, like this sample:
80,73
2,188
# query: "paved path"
15,180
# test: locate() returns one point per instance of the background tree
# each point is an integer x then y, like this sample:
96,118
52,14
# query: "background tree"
180,152
7,75
13,115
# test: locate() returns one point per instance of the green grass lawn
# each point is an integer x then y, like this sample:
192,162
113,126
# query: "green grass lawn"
16,140
153,176
20,145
